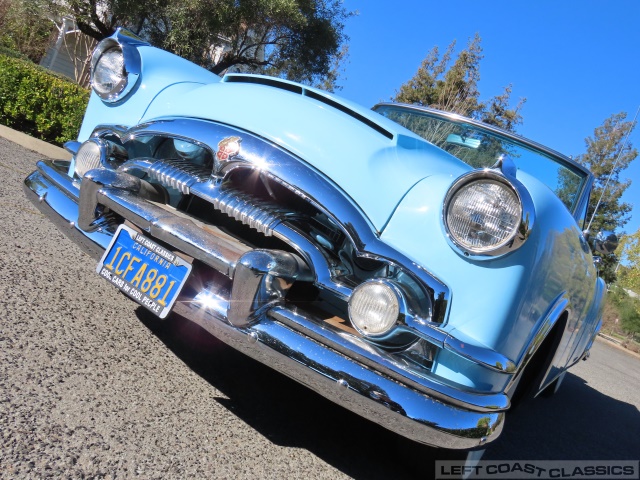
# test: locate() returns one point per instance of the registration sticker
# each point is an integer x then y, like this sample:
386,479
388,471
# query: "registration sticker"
145,271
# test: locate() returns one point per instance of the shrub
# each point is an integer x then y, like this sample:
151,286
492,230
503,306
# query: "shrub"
12,53
38,102
628,311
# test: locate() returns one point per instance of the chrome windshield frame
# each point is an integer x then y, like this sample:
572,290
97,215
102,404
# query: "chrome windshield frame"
585,188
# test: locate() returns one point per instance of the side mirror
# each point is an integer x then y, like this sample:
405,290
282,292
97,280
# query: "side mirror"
606,242
597,262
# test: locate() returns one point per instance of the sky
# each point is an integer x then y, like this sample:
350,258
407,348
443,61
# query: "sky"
576,62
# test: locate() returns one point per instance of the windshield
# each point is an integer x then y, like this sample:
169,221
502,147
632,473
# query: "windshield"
480,147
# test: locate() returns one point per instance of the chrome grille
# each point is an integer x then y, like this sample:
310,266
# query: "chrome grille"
245,208
193,179
179,174
317,198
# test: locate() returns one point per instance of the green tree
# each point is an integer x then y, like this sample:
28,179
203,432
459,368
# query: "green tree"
607,155
296,39
629,254
451,85
24,28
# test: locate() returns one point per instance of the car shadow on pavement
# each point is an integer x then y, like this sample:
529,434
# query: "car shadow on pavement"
578,423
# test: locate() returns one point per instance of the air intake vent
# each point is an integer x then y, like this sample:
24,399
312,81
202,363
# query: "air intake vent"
300,90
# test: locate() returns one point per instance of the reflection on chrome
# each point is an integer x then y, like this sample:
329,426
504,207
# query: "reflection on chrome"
246,305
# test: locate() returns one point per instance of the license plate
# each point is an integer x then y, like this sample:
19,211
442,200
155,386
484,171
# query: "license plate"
145,271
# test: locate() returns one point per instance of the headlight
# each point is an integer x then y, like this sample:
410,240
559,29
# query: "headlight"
484,213
374,308
109,75
116,66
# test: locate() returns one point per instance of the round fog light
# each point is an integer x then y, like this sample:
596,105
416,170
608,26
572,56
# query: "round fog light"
374,308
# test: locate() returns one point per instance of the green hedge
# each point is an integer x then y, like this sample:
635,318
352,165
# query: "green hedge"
38,102
12,53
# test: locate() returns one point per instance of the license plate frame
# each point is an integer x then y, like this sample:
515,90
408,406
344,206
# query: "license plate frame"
129,262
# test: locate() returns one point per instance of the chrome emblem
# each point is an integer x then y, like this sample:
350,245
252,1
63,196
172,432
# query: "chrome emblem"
228,148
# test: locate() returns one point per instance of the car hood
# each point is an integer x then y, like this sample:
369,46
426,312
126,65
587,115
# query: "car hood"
372,159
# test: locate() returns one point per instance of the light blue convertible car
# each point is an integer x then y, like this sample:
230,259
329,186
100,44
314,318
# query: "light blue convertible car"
416,267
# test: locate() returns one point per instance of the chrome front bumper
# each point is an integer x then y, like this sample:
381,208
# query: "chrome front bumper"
249,314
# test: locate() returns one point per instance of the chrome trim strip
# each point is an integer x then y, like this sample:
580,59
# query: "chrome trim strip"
560,305
582,204
317,95
484,356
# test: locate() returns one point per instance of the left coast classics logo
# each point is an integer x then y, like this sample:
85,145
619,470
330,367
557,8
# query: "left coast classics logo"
228,148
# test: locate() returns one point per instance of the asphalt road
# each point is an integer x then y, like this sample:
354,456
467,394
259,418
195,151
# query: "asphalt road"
92,386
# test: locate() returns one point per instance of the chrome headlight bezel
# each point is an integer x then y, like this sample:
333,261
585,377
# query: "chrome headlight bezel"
126,44
503,173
